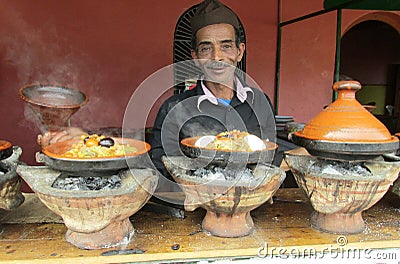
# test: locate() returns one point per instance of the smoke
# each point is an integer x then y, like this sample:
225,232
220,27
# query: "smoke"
36,53
35,118
41,54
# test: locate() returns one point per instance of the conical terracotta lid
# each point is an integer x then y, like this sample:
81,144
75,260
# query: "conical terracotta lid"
53,105
346,120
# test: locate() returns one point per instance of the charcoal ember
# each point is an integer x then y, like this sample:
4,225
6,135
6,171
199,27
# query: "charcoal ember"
213,172
69,182
340,168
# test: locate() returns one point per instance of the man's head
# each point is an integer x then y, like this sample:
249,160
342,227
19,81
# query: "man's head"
215,40
211,12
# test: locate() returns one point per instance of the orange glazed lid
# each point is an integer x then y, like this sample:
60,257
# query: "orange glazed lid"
5,145
346,120
6,149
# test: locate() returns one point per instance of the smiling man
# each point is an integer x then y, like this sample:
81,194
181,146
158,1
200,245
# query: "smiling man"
220,101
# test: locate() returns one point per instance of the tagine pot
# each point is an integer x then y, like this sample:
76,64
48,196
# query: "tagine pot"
228,202
95,218
339,199
346,130
10,182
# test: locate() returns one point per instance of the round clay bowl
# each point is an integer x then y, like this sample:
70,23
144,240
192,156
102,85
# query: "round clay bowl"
338,200
99,218
53,156
6,149
223,157
228,203
53,105
346,127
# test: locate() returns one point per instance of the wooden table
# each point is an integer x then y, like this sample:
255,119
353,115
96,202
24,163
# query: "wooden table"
32,233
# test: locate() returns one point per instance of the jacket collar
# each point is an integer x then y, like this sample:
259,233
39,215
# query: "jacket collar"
241,92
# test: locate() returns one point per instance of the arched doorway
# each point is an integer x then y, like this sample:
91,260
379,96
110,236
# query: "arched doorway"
370,53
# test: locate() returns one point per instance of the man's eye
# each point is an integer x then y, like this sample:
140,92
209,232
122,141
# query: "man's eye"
227,46
205,49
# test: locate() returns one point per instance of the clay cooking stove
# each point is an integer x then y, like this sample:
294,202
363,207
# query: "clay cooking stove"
10,182
228,185
341,169
95,196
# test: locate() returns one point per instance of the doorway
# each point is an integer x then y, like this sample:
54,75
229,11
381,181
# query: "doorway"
370,54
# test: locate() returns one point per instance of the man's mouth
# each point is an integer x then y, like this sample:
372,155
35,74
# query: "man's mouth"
218,66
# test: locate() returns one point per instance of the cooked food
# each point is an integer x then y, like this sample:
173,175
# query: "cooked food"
98,146
234,140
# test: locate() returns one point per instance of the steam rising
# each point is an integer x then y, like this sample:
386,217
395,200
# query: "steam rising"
37,57
27,49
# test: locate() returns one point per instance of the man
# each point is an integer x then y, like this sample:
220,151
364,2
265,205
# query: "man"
220,101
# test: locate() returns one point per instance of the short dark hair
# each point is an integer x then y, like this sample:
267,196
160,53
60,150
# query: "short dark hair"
238,40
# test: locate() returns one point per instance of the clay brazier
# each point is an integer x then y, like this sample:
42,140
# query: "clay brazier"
95,218
228,202
339,199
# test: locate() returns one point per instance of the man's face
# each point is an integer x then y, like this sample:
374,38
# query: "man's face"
217,54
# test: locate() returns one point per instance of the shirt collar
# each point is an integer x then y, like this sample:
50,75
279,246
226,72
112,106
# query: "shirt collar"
241,93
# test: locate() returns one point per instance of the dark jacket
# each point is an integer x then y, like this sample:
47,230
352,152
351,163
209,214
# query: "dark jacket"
182,116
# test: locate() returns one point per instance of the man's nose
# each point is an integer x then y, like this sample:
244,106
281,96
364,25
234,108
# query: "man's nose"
217,54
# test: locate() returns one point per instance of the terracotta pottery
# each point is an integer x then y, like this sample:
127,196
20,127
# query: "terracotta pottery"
53,105
99,218
396,188
223,157
53,156
6,149
228,202
345,129
10,182
339,199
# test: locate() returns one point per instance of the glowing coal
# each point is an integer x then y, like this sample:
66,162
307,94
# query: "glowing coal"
68,182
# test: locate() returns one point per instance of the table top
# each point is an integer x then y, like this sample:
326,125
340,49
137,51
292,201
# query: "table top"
32,233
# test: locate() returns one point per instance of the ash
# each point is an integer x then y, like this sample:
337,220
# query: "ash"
69,183
340,168
217,173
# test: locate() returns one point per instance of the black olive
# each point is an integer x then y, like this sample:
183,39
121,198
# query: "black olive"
175,247
86,139
106,142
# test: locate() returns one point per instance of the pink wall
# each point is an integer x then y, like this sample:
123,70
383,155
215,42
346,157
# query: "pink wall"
308,56
107,48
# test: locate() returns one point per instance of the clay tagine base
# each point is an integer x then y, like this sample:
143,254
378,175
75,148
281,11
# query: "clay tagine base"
338,223
10,182
115,234
95,219
224,225
339,191
228,202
